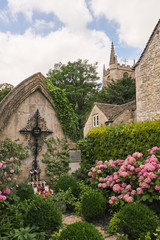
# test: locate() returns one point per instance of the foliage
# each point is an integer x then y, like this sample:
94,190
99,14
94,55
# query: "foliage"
80,231
43,213
79,80
64,111
136,218
4,92
77,208
118,92
67,181
114,224
56,158
12,215
10,148
28,233
93,204
24,191
115,142
64,199
131,179
123,237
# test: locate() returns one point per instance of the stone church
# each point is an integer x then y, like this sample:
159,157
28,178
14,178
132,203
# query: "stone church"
116,70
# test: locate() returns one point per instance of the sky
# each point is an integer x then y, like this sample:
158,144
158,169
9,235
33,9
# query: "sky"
36,34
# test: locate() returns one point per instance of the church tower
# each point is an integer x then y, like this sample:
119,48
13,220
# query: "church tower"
116,70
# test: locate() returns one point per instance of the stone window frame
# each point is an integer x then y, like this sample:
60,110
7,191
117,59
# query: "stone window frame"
95,120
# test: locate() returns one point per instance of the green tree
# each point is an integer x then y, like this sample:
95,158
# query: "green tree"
5,88
118,92
79,80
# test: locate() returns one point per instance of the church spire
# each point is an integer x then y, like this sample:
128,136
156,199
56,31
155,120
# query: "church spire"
112,56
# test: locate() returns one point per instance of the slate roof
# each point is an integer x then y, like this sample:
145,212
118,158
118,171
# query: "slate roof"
112,111
147,44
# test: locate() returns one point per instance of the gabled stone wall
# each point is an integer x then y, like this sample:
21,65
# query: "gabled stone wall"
147,75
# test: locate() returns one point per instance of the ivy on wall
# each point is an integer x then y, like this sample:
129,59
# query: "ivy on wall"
64,110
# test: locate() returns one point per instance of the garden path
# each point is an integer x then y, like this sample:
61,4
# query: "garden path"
69,219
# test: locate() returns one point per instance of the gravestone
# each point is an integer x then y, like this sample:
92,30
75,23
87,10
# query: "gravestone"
28,113
75,159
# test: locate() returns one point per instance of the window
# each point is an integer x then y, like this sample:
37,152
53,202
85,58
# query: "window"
125,75
95,121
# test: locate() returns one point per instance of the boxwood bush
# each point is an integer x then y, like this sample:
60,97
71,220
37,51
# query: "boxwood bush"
93,205
80,231
67,181
117,141
44,214
136,219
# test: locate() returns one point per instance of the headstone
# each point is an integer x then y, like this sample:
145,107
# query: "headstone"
75,159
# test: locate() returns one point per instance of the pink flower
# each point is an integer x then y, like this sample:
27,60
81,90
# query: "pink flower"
5,174
139,190
110,201
90,174
124,185
3,197
133,192
141,178
120,196
1,165
99,171
12,171
128,187
6,190
4,166
157,187
148,180
9,179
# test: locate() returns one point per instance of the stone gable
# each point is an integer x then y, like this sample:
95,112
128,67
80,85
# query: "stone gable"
147,73
19,106
110,112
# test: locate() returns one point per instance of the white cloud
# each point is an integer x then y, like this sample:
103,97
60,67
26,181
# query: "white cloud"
73,14
24,55
136,18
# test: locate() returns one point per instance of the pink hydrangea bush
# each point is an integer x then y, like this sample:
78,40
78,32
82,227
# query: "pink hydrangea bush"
8,169
131,179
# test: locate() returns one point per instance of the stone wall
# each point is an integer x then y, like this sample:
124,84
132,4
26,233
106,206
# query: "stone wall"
18,120
127,116
89,122
147,75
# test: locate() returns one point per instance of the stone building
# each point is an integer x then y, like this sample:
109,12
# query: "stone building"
147,74
26,113
116,70
105,114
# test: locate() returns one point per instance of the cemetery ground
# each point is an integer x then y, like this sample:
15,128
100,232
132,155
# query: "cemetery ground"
115,199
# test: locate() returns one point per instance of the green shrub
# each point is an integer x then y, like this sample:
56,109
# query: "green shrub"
137,218
67,181
44,213
65,200
56,159
80,231
93,205
117,141
24,191
114,224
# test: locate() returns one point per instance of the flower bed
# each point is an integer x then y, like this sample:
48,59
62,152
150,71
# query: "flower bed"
131,179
